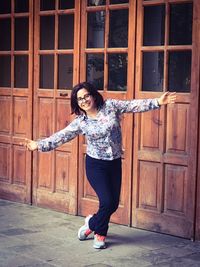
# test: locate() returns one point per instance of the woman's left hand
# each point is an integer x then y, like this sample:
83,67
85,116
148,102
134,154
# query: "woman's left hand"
167,98
29,144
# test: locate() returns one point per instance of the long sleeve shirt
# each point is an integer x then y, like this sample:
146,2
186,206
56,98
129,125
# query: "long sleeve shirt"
103,133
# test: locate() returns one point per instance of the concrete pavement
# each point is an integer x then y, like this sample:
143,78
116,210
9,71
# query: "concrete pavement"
32,236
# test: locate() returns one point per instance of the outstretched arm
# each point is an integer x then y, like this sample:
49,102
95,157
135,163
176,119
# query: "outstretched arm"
56,139
142,105
167,98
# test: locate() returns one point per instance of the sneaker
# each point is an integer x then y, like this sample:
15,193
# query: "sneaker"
99,241
85,231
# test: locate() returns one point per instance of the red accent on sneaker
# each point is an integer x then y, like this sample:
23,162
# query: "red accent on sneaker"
100,237
88,232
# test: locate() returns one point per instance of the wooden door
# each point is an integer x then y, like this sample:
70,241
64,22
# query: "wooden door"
56,70
107,53
165,141
16,49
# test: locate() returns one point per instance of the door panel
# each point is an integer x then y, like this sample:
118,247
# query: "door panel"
4,162
176,185
56,70
15,99
164,142
177,116
19,162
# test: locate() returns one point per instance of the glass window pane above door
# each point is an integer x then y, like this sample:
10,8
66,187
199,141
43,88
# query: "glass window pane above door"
118,33
117,72
21,71
181,16
66,32
47,5
179,71
21,33
96,29
47,32
154,25
47,71
95,70
63,4
21,6
5,27
153,71
96,2
65,71
5,67
5,6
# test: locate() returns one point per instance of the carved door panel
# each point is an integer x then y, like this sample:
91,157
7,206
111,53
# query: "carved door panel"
165,140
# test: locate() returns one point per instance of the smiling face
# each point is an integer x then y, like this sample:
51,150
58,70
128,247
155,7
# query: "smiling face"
86,101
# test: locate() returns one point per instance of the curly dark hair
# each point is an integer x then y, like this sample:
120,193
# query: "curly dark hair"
98,98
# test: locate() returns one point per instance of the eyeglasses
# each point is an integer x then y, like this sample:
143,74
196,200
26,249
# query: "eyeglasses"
84,98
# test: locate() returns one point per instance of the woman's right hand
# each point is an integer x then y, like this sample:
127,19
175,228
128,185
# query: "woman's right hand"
30,144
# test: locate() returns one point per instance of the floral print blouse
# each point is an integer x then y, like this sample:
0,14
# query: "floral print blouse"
103,133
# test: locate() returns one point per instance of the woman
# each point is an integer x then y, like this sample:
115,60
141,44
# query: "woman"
99,121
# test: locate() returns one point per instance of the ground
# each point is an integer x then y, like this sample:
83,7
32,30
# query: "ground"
32,236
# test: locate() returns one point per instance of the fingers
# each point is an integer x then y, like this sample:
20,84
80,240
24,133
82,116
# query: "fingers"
168,98
172,97
26,143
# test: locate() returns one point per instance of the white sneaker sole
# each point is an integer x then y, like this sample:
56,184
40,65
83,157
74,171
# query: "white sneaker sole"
83,228
99,247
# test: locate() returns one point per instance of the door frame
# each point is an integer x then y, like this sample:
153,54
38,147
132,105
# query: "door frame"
123,215
61,197
197,211
16,186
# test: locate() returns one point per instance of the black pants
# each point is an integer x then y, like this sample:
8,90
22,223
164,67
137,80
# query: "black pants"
105,178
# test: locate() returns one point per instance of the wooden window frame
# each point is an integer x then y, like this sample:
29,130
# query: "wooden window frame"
106,50
166,48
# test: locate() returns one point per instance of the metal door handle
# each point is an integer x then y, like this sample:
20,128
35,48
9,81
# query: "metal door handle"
63,94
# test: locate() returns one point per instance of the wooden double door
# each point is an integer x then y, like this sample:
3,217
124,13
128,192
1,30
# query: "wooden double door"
127,52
